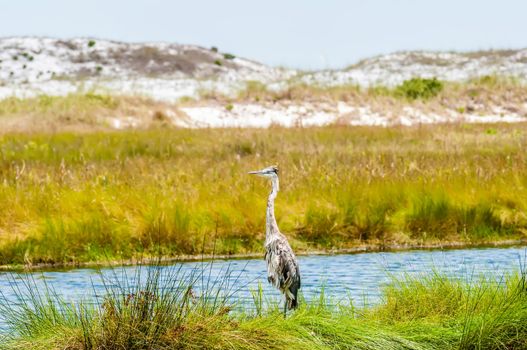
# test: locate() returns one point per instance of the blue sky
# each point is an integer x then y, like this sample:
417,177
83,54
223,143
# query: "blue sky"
305,34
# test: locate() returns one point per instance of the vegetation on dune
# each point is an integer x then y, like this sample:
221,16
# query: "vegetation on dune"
86,112
429,91
95,111
70,198
164,310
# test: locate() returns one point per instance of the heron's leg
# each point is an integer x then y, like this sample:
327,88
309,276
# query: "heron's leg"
285,307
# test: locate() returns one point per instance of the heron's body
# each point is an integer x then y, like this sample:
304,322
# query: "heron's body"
282,267
282,270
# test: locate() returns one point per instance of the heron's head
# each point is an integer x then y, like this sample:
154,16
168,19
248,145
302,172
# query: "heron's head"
269,172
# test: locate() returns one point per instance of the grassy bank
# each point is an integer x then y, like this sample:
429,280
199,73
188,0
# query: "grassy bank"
115,195
429,312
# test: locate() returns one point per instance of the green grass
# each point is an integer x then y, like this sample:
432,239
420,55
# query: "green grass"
73,198
163,311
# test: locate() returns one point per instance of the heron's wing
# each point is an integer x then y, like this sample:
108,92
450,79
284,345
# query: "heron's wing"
282,266
274,266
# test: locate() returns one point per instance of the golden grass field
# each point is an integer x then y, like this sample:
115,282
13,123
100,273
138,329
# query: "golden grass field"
79,197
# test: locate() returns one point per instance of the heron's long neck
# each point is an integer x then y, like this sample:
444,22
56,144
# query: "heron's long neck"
271,227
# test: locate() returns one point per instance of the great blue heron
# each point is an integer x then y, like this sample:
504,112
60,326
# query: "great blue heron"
282,266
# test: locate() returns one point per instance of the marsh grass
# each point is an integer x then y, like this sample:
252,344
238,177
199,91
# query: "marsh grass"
489,311
74,198
164,308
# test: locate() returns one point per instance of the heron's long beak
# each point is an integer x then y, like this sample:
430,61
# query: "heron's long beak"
258,172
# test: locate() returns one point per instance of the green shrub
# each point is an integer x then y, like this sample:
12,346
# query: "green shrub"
419,88
491,131
228,56
91,43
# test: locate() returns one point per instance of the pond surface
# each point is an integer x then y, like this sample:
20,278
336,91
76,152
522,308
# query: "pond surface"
356,276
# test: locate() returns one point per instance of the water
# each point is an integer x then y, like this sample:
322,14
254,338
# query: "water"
356,276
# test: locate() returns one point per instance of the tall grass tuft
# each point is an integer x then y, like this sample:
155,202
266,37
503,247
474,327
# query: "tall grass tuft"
144,310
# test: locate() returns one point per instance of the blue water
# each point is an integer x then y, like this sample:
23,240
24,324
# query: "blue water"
356,276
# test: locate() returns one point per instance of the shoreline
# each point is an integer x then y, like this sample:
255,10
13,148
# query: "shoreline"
365,248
